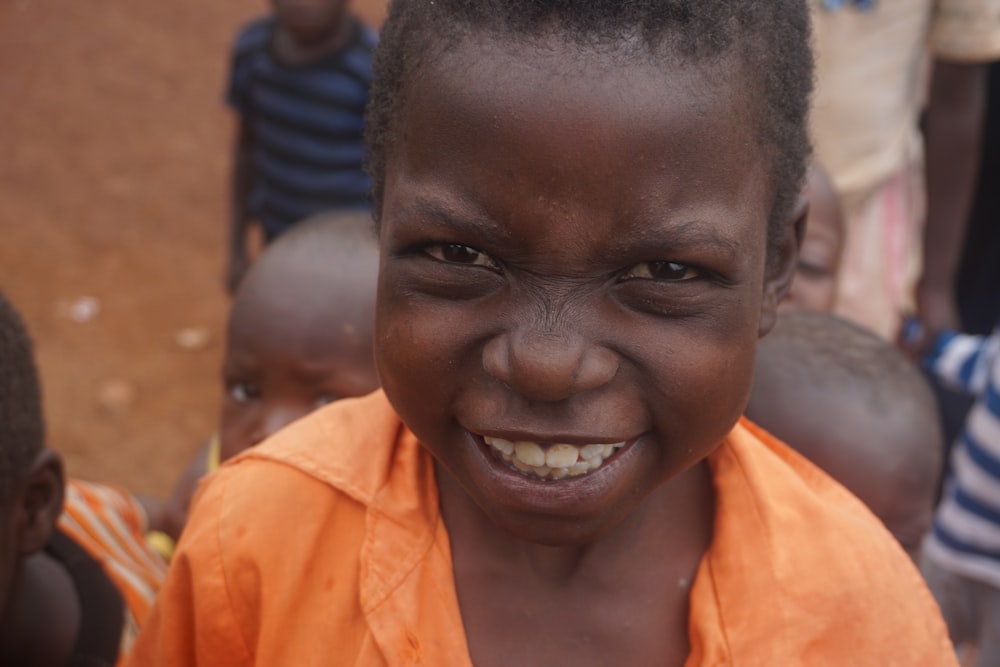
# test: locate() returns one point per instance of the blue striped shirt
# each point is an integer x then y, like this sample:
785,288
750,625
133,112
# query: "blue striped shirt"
966,533
307,123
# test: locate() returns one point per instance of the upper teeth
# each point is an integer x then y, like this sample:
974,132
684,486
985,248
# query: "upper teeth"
556,461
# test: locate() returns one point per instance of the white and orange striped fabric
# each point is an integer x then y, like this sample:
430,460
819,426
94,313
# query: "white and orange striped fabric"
109,524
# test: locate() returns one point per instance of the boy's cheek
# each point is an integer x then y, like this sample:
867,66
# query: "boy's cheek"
415,347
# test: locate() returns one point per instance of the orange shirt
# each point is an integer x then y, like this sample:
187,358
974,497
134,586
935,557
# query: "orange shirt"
324,546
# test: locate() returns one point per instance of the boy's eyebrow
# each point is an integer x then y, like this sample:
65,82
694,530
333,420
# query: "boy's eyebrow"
687,234
463,221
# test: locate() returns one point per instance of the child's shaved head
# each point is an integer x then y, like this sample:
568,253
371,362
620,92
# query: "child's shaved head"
332,256
300,331
770,40
855,406
22,430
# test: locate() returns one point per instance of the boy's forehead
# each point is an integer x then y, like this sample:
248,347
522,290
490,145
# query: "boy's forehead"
503,72
593,97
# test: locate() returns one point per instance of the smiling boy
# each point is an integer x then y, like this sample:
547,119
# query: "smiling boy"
587,216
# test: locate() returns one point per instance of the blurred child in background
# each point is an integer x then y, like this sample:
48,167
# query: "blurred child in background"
873,87
299,337
961,558
299,85
76,577
814,287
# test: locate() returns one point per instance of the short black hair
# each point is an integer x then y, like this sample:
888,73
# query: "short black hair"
771,38
22,429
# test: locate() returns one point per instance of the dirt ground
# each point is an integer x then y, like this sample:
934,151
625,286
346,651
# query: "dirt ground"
114,154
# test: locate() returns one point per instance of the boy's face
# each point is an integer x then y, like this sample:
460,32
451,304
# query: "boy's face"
274,375
571,254
309,19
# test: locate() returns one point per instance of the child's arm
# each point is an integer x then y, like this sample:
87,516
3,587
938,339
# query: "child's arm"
953,133
962,361
242,184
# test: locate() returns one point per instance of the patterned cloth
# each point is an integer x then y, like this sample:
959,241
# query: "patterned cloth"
966,534
109,524
307,126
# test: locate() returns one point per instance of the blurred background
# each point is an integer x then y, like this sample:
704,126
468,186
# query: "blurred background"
114,158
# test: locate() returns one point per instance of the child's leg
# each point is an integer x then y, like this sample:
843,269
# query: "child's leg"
989,627
956,597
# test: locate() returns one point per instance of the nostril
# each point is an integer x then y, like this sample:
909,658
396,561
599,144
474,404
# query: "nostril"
597,367
496,358
547,367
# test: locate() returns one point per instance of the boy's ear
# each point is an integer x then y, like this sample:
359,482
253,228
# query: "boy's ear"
781,266
39,502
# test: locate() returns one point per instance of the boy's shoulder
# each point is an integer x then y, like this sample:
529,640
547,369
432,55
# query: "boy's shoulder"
367,36
351,445
831,576
343,462
306,525
254,35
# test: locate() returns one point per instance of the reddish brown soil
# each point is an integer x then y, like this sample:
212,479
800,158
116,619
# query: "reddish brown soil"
113,163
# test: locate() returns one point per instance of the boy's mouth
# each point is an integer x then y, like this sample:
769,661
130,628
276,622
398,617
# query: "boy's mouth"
552,461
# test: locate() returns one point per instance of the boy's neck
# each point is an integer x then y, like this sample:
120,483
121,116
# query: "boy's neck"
294,51
626,593
674,524
42,620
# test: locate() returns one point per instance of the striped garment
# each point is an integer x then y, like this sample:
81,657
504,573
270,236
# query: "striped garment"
307,123
965,538
109,525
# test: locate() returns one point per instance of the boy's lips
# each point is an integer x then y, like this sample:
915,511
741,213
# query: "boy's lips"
506,488
551,461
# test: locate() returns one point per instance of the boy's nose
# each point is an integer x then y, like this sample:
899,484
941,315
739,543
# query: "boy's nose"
547,366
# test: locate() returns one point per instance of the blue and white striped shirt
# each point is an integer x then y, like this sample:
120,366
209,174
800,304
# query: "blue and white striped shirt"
308,126
966,533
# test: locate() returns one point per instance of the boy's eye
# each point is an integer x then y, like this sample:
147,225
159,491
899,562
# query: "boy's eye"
243,391
456,253
666,271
